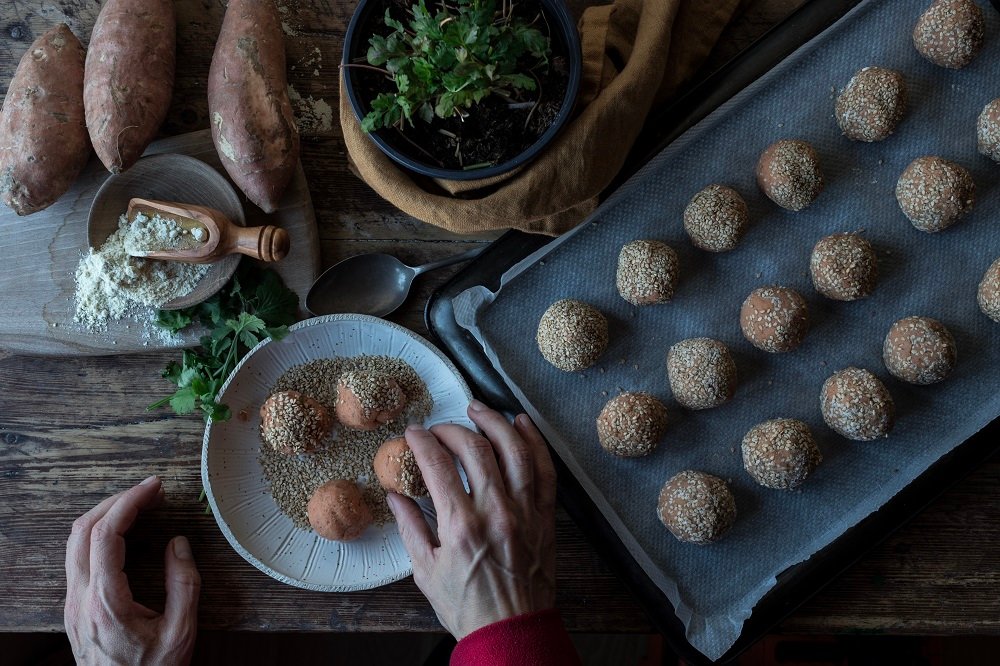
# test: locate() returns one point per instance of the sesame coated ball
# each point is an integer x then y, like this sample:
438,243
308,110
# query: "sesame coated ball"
843,267
292,423
647,272
789,174
989,292
338,512
367,400
702,373
950,33
988,130
716,218
631,424
857,405
919,350
935,193
397,469
774,319
696,507
872,104
572,335
780,453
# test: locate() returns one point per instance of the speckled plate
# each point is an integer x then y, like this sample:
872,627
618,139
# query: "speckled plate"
234,482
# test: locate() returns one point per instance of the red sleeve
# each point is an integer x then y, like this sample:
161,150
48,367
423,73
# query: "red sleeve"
532,639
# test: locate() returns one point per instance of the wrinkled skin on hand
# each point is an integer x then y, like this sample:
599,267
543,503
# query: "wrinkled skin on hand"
494,554
104,623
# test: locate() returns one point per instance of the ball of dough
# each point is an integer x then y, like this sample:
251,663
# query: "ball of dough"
780,453
934,193
774,319
919,350
572,335
988,130
647,272
716,218
989,292
631,424
950,33
397,470
702,373
789,174
293,423
367,400
696,507
338,512
857,405
872,104
844,267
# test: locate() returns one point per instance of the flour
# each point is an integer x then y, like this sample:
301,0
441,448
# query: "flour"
112,285
150,234
313,116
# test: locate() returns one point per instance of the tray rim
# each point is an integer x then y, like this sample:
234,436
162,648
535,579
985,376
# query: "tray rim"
800,582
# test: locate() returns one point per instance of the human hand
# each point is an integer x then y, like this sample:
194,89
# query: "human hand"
104,623
494,555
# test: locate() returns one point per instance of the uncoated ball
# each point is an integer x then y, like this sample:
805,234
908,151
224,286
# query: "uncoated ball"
774,319
572,335
338,512
989,292
702,373
631,424
696,507
716,218
397,469
789,174
919,350
293,423
934,193
872,104
950,33
647,272
780,453
857,405
843,267
988,130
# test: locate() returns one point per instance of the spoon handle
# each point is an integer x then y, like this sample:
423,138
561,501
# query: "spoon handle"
465,256
267,243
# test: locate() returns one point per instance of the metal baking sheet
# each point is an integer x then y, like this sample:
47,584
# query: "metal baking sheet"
714,589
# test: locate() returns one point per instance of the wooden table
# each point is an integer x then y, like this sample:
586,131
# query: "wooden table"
73,431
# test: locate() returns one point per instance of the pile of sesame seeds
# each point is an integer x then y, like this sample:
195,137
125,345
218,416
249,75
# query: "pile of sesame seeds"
934,193
872,104
988,130
647,272
780,453
346,453
696,507
950,33
789,174
857,405
572,334
716,218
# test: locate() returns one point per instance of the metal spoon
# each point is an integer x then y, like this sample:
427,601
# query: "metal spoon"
372,284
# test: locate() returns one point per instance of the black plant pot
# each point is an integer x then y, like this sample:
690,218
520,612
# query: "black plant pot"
367,18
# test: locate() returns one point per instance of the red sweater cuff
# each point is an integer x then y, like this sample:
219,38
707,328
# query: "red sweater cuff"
533,639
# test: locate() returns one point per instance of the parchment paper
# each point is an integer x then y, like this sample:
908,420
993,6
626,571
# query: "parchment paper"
714,588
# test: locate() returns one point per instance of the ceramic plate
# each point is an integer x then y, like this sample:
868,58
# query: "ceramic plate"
239,493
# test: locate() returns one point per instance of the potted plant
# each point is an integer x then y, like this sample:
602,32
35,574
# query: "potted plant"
462,89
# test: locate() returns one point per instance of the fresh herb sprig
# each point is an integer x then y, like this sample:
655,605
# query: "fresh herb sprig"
254,306
445,62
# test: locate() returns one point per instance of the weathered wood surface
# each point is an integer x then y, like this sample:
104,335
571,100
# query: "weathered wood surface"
73,431
43,251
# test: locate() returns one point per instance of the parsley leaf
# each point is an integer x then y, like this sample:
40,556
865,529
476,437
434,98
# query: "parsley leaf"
255,305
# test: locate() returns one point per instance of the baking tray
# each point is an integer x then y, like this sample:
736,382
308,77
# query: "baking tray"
801,581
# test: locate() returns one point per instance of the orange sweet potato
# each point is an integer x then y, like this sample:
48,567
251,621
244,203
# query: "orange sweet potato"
129,78
43,137
248,107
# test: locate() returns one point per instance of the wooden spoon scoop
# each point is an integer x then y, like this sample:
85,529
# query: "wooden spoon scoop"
222,236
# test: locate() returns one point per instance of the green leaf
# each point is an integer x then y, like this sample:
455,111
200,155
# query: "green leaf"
183,401
173,320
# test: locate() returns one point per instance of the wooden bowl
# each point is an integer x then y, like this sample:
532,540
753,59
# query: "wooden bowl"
169,177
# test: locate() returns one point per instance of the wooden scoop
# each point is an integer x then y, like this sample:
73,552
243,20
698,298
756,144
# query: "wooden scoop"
223,237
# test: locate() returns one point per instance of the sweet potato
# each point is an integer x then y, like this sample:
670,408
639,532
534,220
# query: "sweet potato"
252,122
129,78
43,136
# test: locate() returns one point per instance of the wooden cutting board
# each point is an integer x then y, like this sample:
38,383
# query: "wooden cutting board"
37,288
